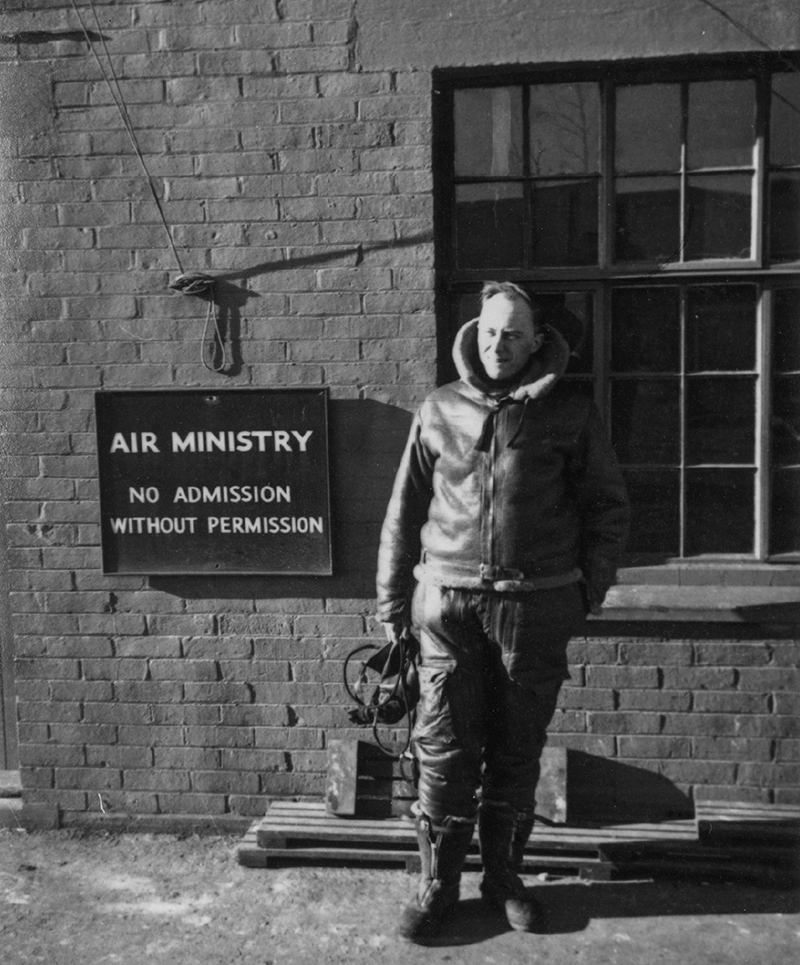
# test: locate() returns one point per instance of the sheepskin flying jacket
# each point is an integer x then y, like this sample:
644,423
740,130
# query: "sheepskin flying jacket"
508,490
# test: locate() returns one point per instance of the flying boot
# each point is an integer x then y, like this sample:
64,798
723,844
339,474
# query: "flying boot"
503,834
442,851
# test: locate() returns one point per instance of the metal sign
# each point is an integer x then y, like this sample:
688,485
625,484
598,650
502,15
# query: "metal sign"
199,482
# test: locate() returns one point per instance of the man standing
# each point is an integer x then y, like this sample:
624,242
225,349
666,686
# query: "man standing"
503,530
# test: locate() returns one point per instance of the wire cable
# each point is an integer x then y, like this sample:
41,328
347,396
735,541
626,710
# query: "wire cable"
191,283
116,96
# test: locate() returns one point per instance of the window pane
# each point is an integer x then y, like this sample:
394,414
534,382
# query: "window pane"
565,222
489,225
721,128
645,332
784,130
786,330
786,420
647,219
648,128
720,511
655,511
784,216
721,328
720,420
718,216
572,313
645,420
785,519
469,307
565,128
488,132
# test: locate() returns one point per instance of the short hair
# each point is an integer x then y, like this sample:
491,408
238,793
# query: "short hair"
507,288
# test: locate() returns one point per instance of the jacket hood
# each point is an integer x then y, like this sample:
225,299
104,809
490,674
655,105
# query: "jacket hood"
536,380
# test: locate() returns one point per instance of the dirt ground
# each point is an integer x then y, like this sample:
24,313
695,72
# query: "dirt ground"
70,898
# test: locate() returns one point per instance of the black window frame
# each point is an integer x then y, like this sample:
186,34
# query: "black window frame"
453,282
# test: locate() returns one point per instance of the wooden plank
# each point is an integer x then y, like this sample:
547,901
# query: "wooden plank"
284,826
340,786
551,791
251,855
301,831
730,821
315,816
733,810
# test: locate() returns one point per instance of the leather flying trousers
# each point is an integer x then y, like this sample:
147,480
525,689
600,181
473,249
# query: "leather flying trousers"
491,667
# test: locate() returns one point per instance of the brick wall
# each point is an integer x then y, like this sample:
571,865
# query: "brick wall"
302,180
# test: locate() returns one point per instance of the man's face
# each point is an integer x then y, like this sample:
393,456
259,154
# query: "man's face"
506,337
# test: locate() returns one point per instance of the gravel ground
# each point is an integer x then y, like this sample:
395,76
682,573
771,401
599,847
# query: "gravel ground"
70,898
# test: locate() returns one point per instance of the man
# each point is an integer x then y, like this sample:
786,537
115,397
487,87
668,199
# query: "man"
504,528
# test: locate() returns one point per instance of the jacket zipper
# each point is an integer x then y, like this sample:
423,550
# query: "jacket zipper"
490,550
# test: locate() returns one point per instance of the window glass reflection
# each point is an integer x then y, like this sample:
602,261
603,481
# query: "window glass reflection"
655,511
784,217
645,420
786,330
720,420
469,307
721,127
718,214
721,328
786,420
785,511
647,212
648,128
645,330
488,132
564,129
489,225
565,222
720,511
784,130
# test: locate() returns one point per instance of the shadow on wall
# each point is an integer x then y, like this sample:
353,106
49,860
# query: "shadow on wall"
600,789
366,442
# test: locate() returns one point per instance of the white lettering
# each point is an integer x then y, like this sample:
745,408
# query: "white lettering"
159,525
302,441
118,443
261,436
183,445
265,525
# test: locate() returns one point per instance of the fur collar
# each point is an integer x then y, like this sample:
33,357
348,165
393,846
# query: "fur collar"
547,367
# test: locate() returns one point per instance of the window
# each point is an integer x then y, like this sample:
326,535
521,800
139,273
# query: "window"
663,211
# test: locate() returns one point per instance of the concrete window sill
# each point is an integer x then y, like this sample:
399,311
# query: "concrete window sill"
736,594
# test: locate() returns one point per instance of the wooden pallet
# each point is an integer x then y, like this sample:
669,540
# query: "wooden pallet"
726,821
292,831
